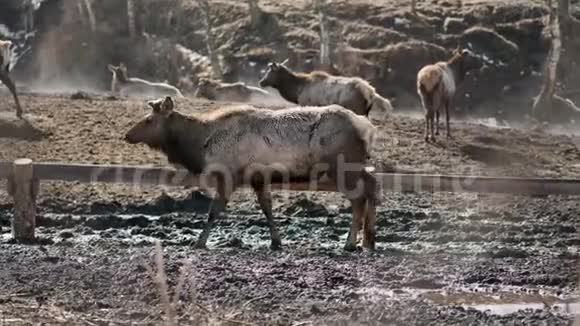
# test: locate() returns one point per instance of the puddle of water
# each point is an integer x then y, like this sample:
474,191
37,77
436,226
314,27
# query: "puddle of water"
497,303
504,302
508,308
382,293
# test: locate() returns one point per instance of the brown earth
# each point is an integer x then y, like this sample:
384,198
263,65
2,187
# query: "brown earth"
440,256
440,259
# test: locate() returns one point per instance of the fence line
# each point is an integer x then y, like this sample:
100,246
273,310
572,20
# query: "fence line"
391,181
24,176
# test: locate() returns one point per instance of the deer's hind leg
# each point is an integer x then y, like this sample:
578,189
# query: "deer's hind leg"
430,124
363,203
358,216
437,123
265,202
448,106
370,218
427,101
347,170
430,102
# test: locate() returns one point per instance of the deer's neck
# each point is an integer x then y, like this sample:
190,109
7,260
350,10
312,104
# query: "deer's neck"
184,142
458,70
291,86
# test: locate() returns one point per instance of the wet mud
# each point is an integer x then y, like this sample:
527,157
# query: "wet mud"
441,258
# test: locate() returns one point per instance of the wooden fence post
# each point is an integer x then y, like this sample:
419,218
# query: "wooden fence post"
23,187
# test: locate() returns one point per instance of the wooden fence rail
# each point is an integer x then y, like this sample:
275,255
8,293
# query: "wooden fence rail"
23,177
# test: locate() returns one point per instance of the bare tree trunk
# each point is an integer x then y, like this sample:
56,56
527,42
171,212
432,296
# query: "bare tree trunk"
543,103
92,20
213,56
28,19
81,11
325,49
564,11
255,13
83,15
131,17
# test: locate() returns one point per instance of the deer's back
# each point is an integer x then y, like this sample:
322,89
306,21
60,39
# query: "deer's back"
293,139
437,75
139,88
329,91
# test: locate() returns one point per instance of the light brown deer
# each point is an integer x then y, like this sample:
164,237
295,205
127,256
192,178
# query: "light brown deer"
127,86
437,84
319,88
245,145
234,92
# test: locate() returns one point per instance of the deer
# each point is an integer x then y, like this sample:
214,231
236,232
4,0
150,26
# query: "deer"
319,88
437,84
5,62
245,145
215,90
127,86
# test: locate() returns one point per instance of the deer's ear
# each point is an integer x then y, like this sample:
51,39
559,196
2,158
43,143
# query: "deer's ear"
155,105
111,68
167,105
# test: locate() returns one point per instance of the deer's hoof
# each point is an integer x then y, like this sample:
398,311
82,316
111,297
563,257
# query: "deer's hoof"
200,245
350,247
276,245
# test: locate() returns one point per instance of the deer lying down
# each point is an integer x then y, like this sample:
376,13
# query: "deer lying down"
245,145
437,84
5,57
125,86
234,92
319,89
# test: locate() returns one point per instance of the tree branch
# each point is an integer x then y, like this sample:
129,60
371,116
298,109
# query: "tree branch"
213,56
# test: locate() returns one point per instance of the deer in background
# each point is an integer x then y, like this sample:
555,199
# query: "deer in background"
5,60
125,86
215,90
437,84
319,88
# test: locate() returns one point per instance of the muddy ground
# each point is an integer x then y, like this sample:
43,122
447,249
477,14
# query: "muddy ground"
441,258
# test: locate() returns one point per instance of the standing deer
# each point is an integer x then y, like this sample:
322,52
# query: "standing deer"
244,145
125,86
318,88
437,84
5,58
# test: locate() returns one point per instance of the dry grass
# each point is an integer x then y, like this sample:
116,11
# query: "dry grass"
194,312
